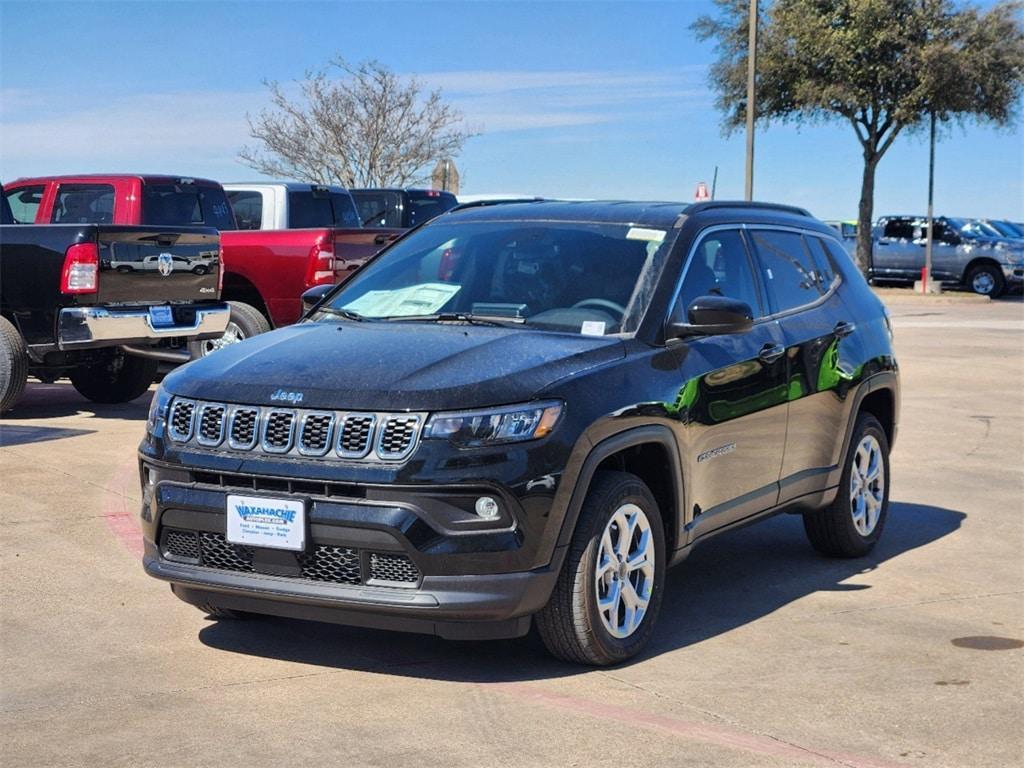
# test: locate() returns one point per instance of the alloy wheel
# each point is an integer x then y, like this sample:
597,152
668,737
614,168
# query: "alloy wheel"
232,335
867,485
983,283
624,572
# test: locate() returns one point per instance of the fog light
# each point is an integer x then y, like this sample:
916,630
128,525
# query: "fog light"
487,508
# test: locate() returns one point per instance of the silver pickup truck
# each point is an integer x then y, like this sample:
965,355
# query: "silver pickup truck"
963,252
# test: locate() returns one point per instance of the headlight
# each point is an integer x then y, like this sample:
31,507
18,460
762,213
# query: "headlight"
490,426
158,412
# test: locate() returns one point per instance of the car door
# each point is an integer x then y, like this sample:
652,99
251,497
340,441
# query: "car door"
802,292
732,400
949,257
897,251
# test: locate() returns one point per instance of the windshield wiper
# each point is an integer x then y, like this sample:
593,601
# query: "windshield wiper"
458,317
348,314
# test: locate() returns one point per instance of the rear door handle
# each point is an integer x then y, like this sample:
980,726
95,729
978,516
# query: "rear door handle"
771,352
843,328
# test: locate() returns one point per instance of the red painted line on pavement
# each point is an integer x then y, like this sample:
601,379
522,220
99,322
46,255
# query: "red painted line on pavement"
121,522
711,734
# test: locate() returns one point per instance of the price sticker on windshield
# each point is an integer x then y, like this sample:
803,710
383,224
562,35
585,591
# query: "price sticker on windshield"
642,233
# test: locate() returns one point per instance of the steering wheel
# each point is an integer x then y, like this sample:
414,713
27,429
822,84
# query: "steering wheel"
601,304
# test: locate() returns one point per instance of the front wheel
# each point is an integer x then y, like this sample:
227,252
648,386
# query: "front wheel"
852,524
117,379
246,321
606,600
987,280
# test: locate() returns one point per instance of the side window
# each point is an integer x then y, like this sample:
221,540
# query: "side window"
720,267
25,202
248,208
899,229
84,204
823,265
786,266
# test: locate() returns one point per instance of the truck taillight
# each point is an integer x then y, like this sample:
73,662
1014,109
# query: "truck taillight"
81,272
321,265
220,271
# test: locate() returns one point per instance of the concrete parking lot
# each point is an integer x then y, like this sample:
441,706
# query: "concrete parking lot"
765,654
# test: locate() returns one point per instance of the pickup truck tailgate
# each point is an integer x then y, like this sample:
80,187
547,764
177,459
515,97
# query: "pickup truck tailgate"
150,265
353,247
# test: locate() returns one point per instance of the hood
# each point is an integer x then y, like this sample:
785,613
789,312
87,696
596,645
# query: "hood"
391,366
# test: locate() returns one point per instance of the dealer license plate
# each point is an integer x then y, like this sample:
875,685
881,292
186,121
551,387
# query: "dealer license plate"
161,316
257,521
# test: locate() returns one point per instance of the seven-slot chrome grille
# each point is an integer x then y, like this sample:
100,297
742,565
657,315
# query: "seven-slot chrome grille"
295,431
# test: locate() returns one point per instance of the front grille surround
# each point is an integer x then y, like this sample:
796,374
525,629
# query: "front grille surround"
388,437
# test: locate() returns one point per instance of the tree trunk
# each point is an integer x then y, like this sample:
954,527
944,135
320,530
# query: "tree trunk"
865,212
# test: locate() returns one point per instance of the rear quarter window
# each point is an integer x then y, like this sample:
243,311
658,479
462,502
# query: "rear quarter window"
24,202
787,269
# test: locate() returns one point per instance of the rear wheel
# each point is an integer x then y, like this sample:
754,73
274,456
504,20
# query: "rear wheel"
13,365
118,379
987,280
604,605
852,524
246,321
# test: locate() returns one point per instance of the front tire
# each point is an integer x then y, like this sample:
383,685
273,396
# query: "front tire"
608,594
852,524
118,379
987,280
13,365
246,321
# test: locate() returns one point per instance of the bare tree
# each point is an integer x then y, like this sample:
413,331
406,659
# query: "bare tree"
367,128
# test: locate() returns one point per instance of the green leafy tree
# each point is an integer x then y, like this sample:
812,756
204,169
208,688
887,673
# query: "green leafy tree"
882,66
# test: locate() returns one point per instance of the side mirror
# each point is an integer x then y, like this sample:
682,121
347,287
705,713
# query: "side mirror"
312,297
710,316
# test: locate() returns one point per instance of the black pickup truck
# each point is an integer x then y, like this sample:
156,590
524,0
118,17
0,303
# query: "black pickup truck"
103,304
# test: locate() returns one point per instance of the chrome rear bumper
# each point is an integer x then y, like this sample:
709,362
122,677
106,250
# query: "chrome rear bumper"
84,327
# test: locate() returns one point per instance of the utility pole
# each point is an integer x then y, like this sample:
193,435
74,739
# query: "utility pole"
926,278
714,183
751,97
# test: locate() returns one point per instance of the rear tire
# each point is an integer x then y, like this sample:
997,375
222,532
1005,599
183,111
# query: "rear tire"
987,280
246,321
606,600
852,524
13,365
119,379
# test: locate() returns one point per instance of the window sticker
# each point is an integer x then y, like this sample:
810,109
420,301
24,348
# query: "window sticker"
423,299
592,328
641,233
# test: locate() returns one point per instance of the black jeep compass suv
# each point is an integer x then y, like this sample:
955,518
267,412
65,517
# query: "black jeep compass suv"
526,412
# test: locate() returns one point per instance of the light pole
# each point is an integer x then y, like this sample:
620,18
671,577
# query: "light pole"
926,278
751,71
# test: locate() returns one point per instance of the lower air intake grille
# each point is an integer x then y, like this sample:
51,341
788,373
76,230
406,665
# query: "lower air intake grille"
339,565
326,563
397,568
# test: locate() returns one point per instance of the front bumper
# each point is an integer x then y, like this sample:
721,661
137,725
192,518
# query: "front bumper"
1014,273
86,327
460,581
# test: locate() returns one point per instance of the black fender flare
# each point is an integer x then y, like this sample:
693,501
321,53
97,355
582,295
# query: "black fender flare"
608,446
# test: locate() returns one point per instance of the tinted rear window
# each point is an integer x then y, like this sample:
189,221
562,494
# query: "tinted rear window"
24,202
248,207
182,205
379,208
423,206
84,204
320,209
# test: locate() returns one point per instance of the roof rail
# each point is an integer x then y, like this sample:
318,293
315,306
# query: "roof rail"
501,201
715,204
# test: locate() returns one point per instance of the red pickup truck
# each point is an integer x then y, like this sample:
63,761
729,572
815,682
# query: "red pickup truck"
265,271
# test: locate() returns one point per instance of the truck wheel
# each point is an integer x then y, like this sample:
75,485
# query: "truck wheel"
13,365
118,379
606,600
987,279
246,321
852,524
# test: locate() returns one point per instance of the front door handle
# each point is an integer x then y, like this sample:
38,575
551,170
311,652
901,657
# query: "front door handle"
771,352
843,328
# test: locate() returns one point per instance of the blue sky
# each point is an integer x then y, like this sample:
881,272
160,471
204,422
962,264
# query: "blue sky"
575,99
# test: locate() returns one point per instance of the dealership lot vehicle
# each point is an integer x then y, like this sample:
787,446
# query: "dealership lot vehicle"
265,272
527,412
964,252
404,208
765,653
102,303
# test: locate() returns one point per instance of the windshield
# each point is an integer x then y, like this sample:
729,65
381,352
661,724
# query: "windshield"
564,276
1007,229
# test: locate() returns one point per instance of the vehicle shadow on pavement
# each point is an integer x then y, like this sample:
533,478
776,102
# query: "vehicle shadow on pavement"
730,581
60,400
18,434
